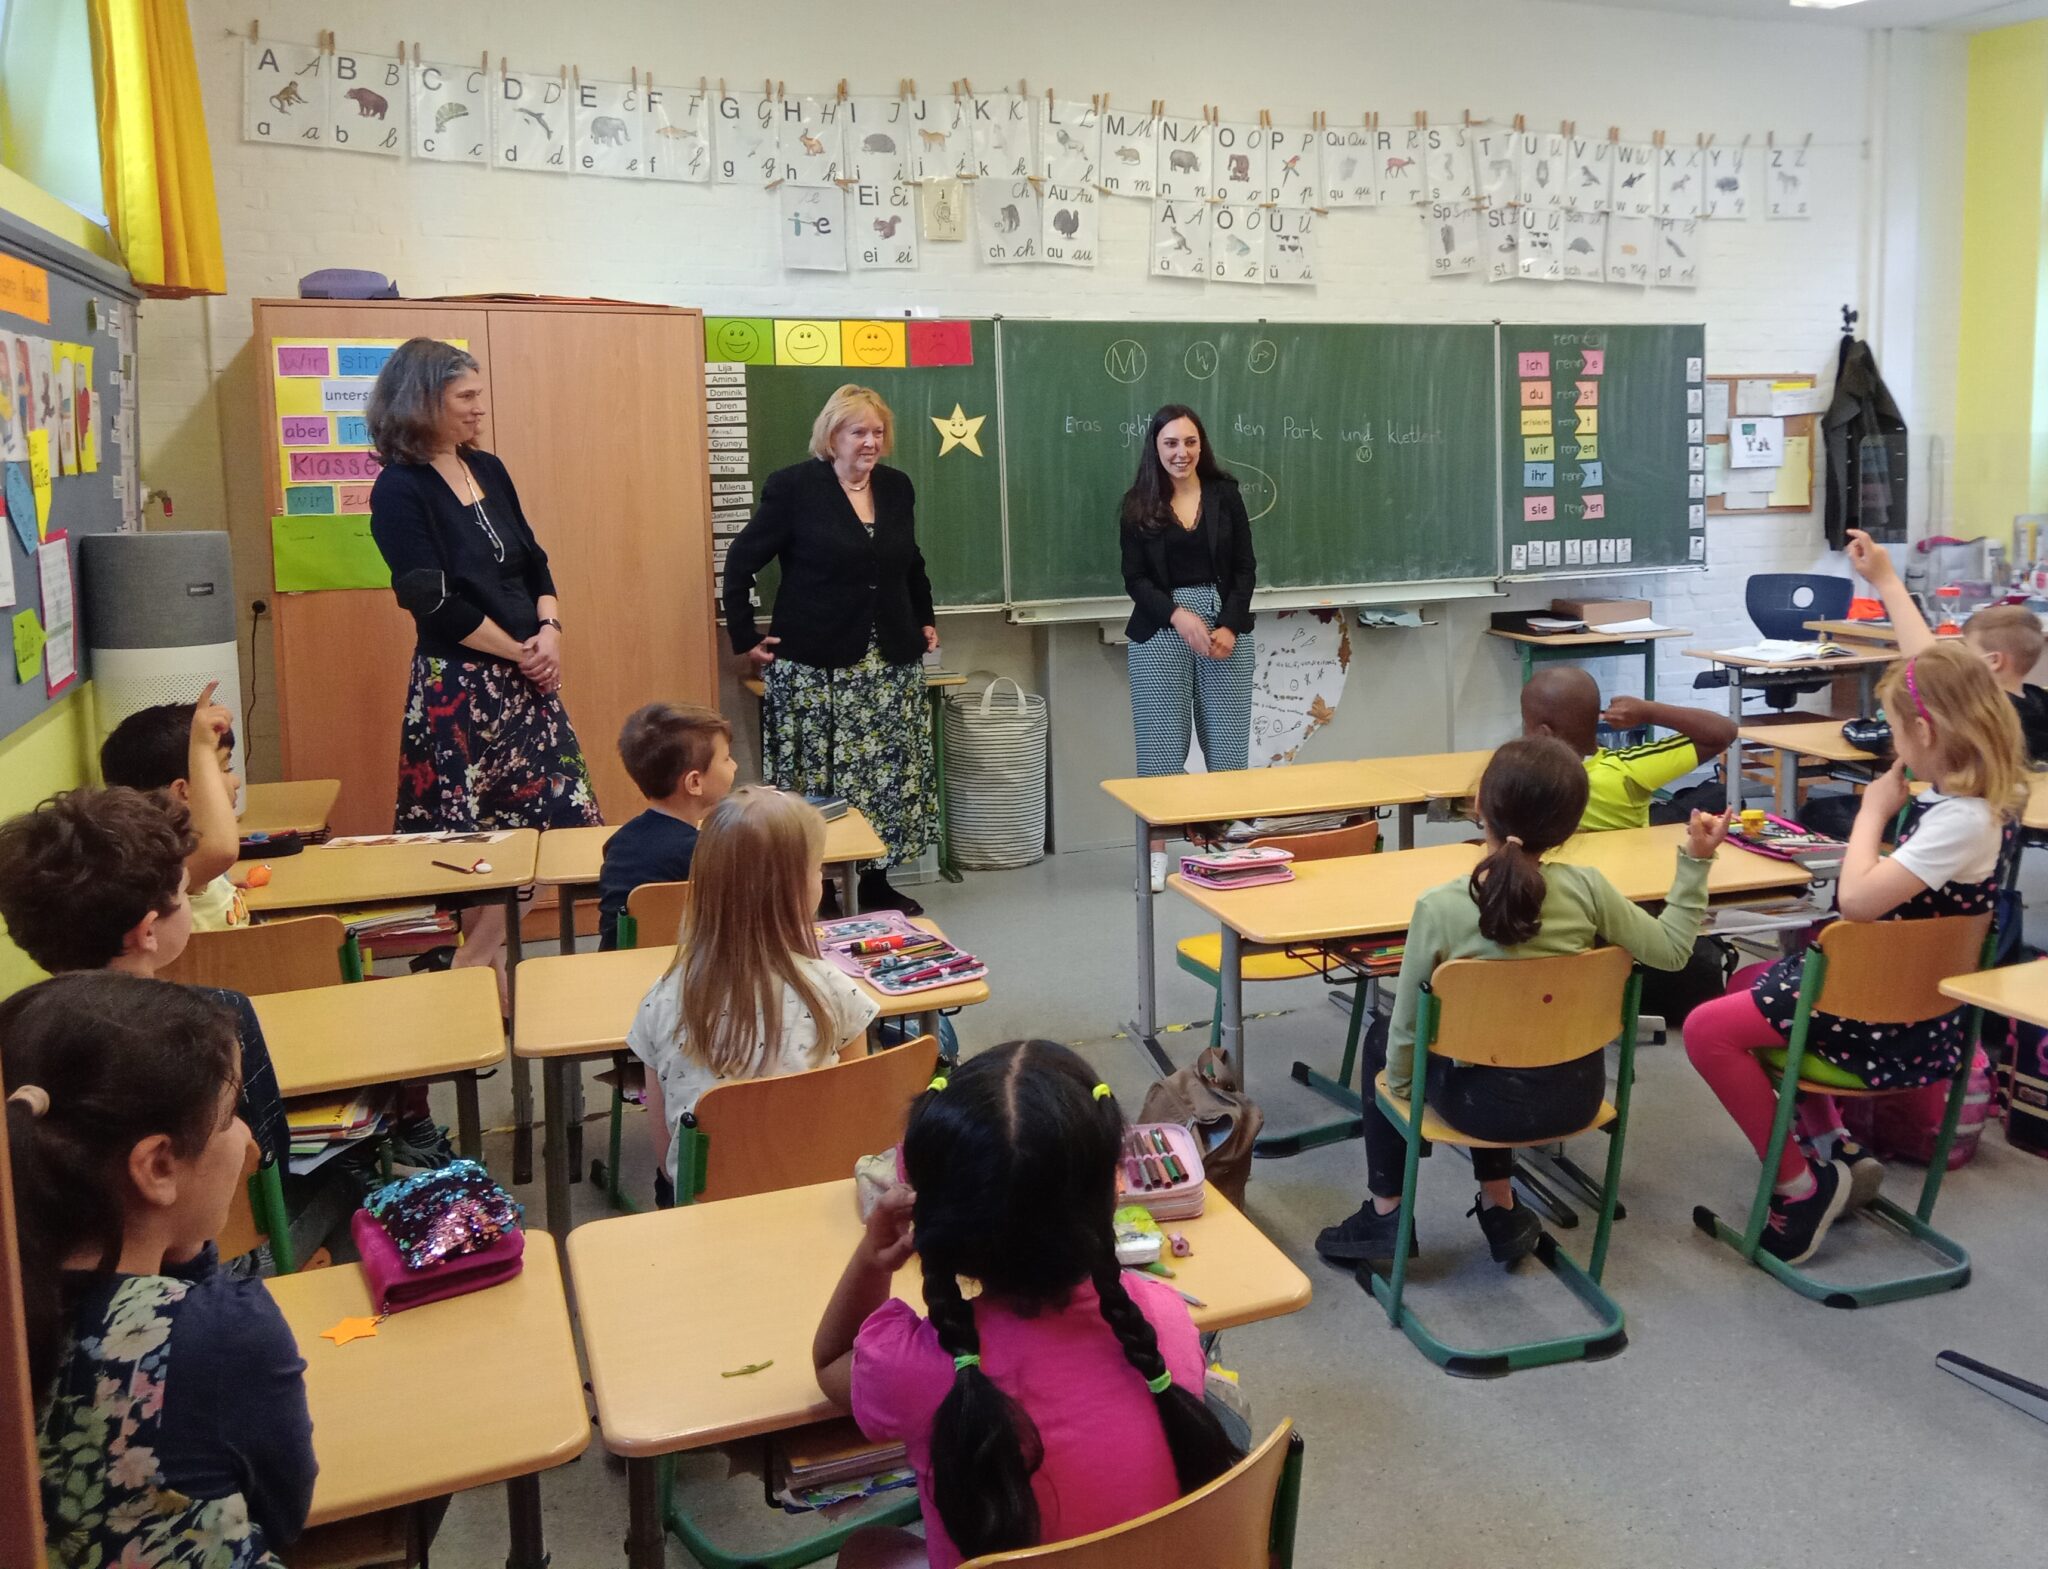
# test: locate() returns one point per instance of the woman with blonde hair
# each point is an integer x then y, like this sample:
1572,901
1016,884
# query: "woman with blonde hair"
747,997
844,711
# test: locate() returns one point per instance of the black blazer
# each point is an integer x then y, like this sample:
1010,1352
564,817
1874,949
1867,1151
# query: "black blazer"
1148,582
841,580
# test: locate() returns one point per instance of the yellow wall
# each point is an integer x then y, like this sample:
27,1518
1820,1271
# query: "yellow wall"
51,752
2001,466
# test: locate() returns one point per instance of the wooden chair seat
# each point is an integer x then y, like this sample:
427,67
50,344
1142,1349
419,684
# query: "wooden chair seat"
1438,1131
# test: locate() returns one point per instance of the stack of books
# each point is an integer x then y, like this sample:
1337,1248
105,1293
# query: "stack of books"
1373,955
322,1126
831,1463
421,925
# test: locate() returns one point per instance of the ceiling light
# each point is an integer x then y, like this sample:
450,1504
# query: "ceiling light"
1824,5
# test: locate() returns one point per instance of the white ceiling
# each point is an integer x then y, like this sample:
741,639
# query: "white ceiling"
1970,16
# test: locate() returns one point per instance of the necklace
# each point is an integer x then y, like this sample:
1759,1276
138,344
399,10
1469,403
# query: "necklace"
476,507
863,485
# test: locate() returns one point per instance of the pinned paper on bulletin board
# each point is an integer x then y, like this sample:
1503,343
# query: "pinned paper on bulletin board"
53,562
39,478
28,646
21,505
24,289
1784,483
310,553
322,388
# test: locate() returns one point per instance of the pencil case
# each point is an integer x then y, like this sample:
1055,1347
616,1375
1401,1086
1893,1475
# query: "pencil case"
394,1287
1784,840
1146,1176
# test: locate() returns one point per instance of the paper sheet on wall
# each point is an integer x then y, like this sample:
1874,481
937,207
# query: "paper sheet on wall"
6,573
1789,397
53,562
1717,469
1756,443
1795,475
1752,397
39,478
322,388
1717,407
28,645
311,553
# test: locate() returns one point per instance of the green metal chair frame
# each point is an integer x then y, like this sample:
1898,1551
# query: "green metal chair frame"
1789,1066
1609,1336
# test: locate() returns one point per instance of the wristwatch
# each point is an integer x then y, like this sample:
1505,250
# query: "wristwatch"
550,621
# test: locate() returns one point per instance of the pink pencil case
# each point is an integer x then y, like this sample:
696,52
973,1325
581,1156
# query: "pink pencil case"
394,1288
1145,1179
1784,840
1245,868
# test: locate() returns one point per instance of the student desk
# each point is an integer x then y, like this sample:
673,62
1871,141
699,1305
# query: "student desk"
936,683
571,859
346,877
2019,991
1537,648
581,1006
1169,803
659,1330
457,1394
298,806
1881,633
1864,666
441,1025
1821,738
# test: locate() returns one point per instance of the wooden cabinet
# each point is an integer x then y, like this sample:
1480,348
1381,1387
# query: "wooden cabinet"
598,412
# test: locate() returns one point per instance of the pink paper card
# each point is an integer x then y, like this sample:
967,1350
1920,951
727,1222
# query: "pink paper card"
1537,364
1589,393
1535,394
1596,506
305,430
303,361
1596,362
1538,509
352,498
316,466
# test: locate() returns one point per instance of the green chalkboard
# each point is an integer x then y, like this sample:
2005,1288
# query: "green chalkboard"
1366,453
1602,448
959,494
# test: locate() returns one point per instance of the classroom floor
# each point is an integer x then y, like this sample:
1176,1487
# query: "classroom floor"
1742,1426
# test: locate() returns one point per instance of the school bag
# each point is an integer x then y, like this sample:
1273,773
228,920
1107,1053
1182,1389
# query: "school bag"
1905,1126
1209,1102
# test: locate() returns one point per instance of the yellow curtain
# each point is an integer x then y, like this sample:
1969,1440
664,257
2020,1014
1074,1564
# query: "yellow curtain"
154,163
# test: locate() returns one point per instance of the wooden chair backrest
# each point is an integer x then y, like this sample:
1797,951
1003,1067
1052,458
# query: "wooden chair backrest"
1329,843
1226,1525
271,956
802,1128
657,909
1890,972
1530,1013
242,1232
21,1499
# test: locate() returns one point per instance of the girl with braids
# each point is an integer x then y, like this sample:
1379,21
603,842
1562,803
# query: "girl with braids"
1531,798
170,1398
1066,1396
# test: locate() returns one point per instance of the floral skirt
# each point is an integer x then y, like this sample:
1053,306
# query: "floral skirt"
862,732
484,748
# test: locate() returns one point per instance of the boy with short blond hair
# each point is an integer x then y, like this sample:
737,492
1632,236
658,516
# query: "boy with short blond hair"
2011,640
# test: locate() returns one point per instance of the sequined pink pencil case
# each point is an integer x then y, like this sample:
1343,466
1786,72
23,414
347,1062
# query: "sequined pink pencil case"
394,1288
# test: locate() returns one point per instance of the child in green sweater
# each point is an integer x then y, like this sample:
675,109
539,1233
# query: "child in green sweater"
1513,907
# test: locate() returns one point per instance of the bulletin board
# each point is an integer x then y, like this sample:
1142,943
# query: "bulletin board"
1794,492
67,326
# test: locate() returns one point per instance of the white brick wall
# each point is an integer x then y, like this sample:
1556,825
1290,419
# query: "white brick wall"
1769,296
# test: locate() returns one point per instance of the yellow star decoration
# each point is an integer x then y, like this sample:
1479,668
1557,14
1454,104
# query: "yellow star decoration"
350,1329
959,431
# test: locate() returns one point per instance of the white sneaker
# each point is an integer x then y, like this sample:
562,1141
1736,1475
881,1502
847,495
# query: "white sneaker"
1159,871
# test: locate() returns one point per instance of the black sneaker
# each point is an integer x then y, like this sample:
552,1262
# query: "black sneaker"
1366,1237
1511,1233
1796,1226
1866,1172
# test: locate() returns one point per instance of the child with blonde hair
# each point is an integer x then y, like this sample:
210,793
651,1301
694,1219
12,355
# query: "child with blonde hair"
1953,727
748,996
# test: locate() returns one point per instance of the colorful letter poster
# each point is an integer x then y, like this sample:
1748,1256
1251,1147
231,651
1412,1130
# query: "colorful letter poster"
323,435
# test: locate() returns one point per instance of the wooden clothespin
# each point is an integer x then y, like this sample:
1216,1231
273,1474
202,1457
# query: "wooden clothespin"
255,31
1048,98
1705,139
1265,119
1468,119
964,82
1421,119
504,68
635,79
1770,138
842,89
1567,128
1656,138
1023,88
1614,133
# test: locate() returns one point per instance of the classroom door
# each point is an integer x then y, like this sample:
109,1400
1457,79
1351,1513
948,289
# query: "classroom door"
600,415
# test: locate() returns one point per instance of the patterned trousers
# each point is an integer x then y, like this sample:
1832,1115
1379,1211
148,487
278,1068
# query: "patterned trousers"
1173,690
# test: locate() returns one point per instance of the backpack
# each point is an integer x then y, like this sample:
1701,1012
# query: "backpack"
1207,1100
1905,1126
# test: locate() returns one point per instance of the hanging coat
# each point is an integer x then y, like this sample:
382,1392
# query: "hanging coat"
1865,442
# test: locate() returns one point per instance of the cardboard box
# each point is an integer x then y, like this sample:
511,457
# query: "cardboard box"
1598,612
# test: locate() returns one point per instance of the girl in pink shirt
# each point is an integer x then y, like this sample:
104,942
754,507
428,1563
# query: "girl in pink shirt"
1064,1398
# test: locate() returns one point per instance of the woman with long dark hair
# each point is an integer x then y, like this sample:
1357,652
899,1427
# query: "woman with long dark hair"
1189,569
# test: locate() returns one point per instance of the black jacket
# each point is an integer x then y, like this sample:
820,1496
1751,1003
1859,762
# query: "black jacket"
1865,439
841,580
1147,580
444,567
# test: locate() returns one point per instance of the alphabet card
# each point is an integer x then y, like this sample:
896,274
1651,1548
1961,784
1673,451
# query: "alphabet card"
1787,173
884,233
1002,136
1008,220
1724,183
368,102
1180,239
679,134
1348,164
530,121
1237,244
1541,162
1495,174
813,227
1071,225
1241,161
878,133
1630,241
1293,167
1500,244
1130,153
1401,171
1678,253
1187,155
608,129
284,93
810,141
1069,141
945,138
1291,246
1448,165
1452,230
1678,181
1635,179
1539,240
1588,167
1582,247
450,111
743,139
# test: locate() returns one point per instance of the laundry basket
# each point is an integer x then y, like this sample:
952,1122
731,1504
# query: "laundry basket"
995,776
